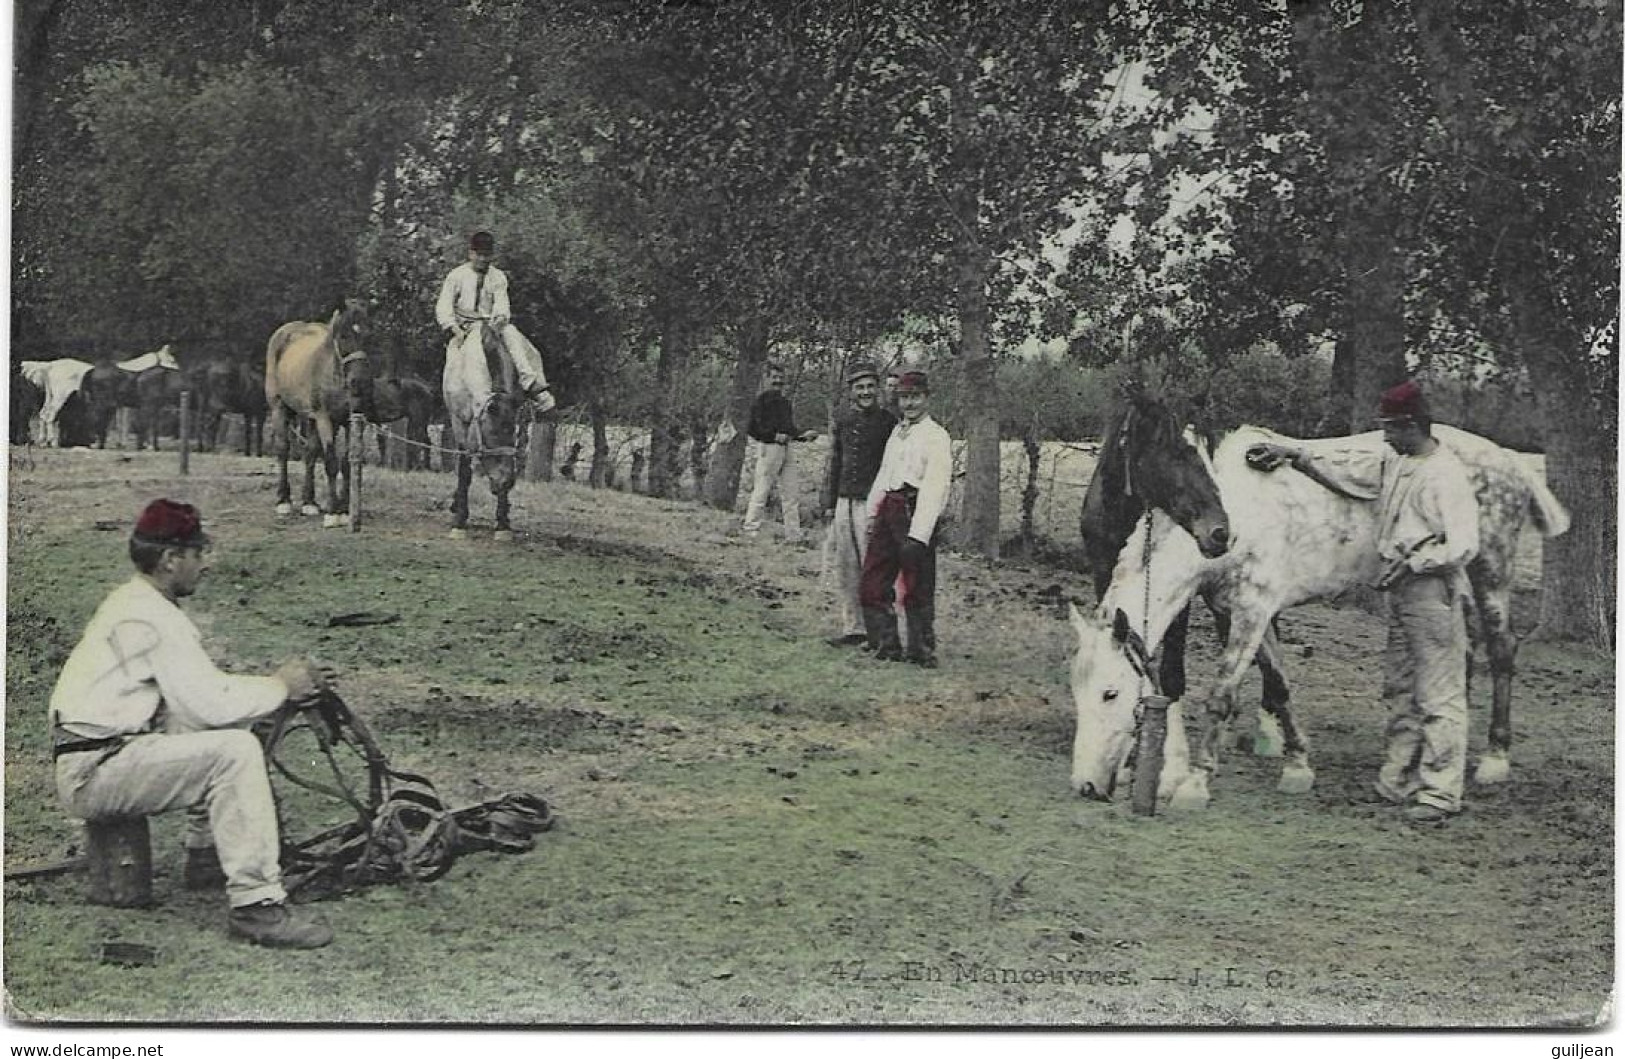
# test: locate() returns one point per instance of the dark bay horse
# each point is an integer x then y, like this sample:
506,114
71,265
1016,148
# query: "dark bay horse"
1294,541
484,408
233,386
1149,460
148,385
317,373
408,400
26,401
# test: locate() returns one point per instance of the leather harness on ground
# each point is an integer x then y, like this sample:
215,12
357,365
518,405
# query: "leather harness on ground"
402,829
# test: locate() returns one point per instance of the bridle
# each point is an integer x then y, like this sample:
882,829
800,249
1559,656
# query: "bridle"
476,432
401,829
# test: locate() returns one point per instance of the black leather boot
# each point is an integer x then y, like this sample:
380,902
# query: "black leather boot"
922,636
881,626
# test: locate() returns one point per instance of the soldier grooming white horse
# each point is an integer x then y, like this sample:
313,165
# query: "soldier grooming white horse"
1292,541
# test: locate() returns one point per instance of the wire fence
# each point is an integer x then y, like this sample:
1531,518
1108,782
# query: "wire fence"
1061,474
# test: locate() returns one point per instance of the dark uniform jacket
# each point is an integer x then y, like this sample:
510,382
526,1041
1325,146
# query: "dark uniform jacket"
860,442
771,416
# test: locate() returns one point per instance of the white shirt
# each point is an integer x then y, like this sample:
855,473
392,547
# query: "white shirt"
1426,496
467,295
139,651
1418,497
920,455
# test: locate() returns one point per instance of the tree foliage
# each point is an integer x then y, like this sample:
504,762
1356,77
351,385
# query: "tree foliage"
683,190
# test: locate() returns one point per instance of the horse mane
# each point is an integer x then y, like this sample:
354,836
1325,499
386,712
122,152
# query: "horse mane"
498,364
1175,570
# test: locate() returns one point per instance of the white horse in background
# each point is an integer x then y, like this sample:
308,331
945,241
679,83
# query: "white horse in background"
58,380
1292,541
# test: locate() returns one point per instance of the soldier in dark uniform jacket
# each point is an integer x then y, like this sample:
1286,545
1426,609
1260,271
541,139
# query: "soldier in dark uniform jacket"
859,444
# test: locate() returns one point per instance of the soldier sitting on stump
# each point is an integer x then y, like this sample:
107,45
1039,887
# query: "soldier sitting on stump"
143,722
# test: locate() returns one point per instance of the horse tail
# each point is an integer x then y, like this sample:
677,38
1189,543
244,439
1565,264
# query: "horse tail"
1551,517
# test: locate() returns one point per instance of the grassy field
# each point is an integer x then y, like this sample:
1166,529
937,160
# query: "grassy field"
756,828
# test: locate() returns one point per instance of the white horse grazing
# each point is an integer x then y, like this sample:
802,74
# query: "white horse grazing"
1292,541
58,380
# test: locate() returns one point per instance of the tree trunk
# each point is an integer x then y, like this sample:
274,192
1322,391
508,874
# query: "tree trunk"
978,519
600,444
1029,494
1337,422
665,424
979,514
540,452
698,441
1374,309
1577,600
1577,569
1345,70
728,455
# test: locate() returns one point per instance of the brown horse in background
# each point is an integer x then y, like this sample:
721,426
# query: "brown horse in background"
403,398
317,373
238,388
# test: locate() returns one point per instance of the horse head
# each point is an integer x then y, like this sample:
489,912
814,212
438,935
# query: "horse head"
1106,693
1158,571
1164,465
348,325
355,369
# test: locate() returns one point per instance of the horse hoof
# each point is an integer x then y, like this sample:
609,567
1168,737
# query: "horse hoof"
1296,781
333,521
502,536
1191,793
458,534
1267,740
1493,768
310,509
284,509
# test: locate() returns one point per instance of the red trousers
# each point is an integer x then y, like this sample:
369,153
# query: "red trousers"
883,563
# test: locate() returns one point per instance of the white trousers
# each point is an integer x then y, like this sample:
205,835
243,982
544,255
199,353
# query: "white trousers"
849,533
223,771
1425,689
775,466
527,359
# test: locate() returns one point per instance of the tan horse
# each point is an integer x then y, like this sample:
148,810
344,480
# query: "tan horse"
317,373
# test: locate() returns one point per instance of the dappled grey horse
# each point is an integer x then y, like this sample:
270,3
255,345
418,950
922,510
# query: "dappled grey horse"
1292,541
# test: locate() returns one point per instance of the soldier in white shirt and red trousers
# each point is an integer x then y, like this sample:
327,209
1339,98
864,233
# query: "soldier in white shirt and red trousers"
905,505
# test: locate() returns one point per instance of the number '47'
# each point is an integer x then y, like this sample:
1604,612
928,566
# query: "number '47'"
847,969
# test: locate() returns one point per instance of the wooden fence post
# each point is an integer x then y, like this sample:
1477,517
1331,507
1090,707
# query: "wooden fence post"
185,432
1148,756
358,442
